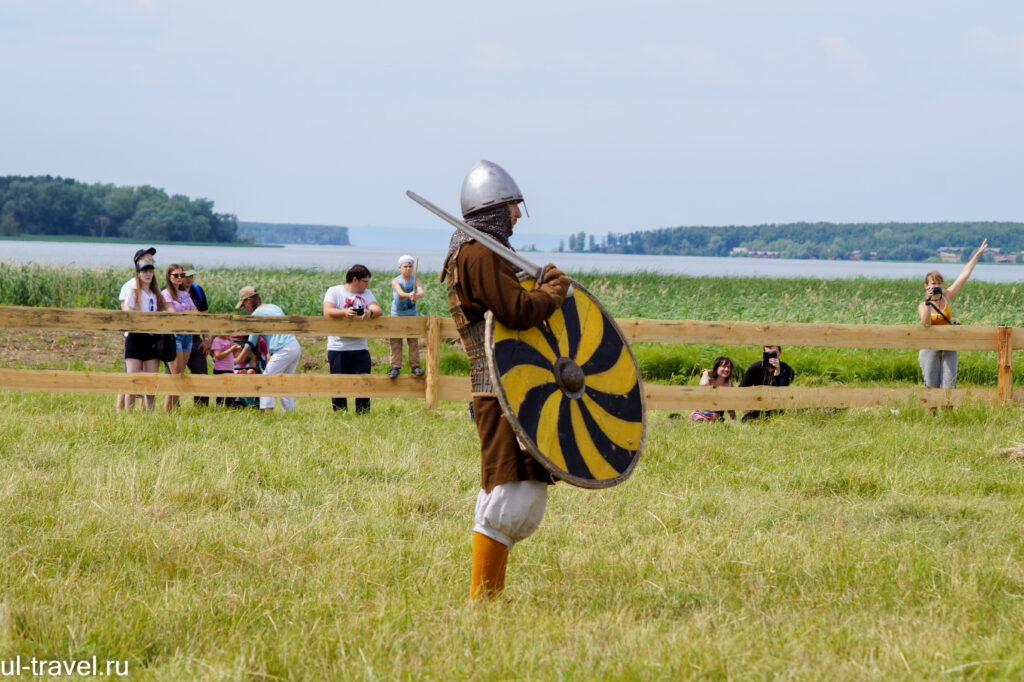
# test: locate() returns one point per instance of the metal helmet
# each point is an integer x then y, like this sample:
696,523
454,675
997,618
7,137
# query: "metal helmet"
487,184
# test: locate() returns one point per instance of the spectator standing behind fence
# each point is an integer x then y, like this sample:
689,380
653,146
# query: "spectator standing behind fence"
938,367
141,294
141,253
345,354
768,371
197,363
406,291
720,376
284,348
179,299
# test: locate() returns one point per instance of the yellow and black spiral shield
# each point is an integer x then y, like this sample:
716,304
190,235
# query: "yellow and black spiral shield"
571,390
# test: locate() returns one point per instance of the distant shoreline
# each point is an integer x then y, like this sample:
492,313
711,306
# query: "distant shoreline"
125,240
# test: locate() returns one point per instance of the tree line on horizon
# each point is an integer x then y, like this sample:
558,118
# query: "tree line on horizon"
291,233
883,241
47,205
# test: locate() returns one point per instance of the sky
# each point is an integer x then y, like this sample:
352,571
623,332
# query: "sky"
611,116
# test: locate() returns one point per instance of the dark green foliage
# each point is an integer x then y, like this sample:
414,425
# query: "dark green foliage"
285,233
888,241
45,205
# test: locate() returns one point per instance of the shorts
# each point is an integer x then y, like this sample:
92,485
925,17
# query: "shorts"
183,343
139,347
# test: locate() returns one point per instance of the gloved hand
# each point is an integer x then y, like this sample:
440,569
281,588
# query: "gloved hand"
554,283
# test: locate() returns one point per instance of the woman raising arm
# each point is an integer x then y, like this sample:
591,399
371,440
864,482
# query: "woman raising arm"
937,300
939,366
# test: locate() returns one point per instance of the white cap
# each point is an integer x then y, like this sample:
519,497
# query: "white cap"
405,259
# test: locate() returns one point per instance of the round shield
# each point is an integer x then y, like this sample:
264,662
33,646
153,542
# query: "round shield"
571,390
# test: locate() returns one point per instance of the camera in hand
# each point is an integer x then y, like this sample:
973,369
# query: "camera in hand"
765,357
935,291
358,310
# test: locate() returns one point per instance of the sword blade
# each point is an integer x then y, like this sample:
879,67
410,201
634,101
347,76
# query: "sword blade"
487,240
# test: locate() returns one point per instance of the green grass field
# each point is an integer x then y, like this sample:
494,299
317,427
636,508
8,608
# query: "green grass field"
215,544
224,545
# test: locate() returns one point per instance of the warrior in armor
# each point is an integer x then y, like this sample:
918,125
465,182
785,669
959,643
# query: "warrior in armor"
513,485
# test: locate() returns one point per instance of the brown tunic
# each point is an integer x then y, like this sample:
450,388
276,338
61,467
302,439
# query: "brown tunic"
487,282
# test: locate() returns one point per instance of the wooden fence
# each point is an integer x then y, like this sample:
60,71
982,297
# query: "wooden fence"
434,386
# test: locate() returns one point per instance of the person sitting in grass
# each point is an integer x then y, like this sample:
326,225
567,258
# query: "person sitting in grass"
720,375
769,371
406,290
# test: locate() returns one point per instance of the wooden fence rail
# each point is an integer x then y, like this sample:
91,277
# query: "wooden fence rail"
435,386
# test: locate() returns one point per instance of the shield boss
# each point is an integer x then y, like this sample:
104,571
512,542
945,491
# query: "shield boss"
571,390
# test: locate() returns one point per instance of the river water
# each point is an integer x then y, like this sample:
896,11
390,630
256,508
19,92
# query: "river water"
430,260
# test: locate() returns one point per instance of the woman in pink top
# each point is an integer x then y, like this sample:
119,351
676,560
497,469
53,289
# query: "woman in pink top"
182,303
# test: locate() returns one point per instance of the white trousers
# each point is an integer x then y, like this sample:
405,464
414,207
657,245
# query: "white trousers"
511,511
282,361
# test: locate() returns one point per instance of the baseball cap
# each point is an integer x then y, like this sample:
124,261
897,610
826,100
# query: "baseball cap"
245,293
187,268
142,252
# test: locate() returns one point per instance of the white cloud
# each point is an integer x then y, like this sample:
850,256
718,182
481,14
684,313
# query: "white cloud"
691,60
651,62
847,58
996,49
494,58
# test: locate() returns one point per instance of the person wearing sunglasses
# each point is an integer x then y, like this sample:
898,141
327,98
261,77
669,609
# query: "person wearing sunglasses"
141,294
180,300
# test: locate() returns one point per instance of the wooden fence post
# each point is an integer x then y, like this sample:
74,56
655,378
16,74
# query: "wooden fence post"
1004,363
433,380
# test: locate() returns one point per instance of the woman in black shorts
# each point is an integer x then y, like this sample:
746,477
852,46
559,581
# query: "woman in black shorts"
141,294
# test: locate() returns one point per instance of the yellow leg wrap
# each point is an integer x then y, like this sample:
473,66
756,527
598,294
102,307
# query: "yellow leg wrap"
501,576
489,560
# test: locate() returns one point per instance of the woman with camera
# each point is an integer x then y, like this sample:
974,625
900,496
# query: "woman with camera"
939,366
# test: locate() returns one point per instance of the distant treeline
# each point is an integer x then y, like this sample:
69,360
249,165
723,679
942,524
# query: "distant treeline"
886,241
286,233
47,205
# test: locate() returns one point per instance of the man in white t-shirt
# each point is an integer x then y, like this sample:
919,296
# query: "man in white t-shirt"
348,354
